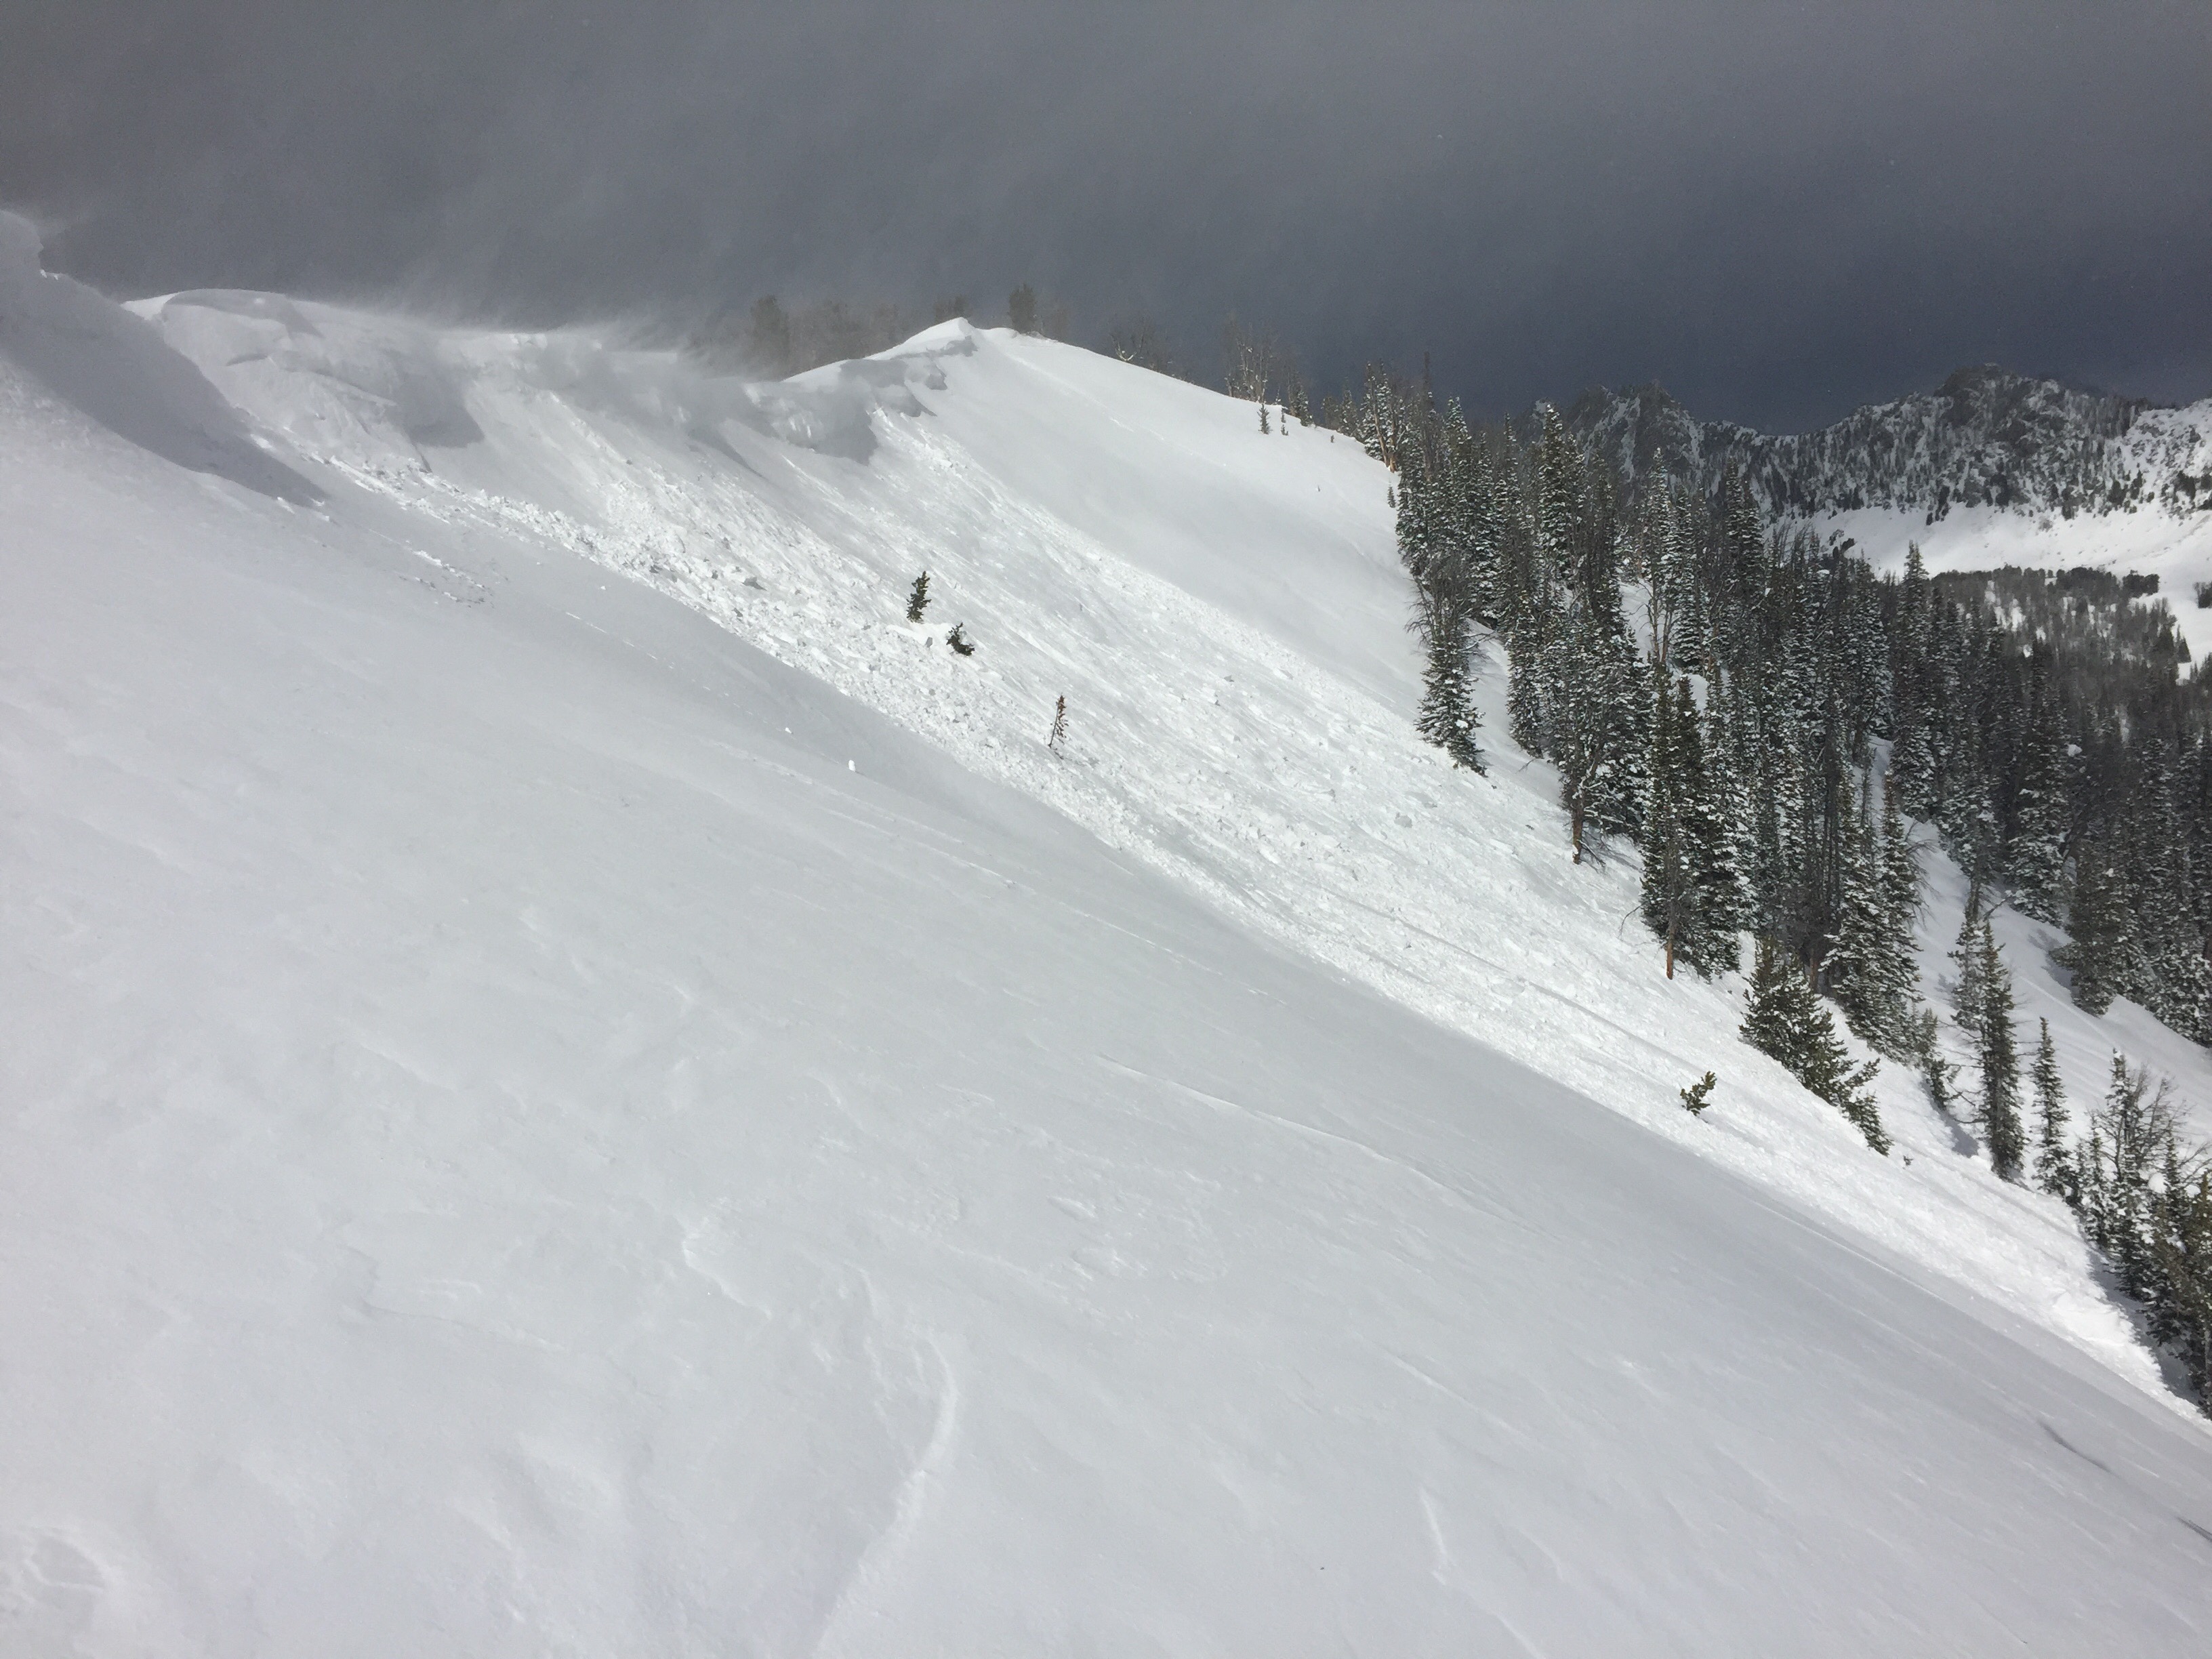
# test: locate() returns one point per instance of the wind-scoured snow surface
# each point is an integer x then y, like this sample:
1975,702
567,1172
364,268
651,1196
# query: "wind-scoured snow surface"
575,1085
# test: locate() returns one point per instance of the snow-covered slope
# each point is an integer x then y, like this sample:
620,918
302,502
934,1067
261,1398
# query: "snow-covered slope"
577,1085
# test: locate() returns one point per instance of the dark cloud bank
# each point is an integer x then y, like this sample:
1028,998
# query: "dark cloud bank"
1778,210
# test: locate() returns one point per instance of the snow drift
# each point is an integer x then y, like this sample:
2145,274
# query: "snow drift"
578,1085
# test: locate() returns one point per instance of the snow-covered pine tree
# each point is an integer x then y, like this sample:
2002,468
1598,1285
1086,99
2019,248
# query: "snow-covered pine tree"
2000,1064
2035,863
1688,890
1444,620
1970,992
1530,651
2054,1154
1861,966
2098,930
1900,894
1593,679
1596,685
1912,762
2129,1136
1726,770
917,601
1777,1005
1666,895
1670,557
1433,543
2168,970
2182,1250
1785,1019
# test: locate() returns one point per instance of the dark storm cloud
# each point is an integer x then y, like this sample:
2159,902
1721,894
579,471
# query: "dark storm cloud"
1778,210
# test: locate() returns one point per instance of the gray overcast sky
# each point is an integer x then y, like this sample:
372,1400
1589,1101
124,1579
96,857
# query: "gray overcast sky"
1778,210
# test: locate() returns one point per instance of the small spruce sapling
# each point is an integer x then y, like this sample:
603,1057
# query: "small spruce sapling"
917,600
958,640
1264,427
1059,727
1697,1096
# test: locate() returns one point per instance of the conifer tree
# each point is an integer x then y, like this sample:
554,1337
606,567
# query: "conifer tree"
1448,717
917,601
2098,930
2182,1253
2054,1157
1726,769
1785,1019
2129,1137
1870,966
1969,993
2166,968
1912,762
1594,686
1900,897
2000,1063
1852,966
1778,1005
1687,888
1528,709
2035,864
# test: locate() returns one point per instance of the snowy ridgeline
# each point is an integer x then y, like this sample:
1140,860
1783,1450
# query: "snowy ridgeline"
582,1085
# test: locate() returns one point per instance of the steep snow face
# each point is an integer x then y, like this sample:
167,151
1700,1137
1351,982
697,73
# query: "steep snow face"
1224,614
535,1126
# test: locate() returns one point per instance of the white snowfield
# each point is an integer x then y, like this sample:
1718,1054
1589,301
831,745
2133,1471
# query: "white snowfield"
575,1085
2149,539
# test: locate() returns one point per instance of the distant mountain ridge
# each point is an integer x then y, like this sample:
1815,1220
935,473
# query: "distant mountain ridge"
1986,437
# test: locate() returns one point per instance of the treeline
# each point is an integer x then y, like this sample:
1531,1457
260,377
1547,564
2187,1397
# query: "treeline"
1719,692
2046,724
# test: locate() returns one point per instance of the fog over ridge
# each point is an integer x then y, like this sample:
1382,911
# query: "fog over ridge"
1779,214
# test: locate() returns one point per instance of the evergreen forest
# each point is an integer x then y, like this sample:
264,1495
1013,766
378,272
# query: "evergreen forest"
1765,718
